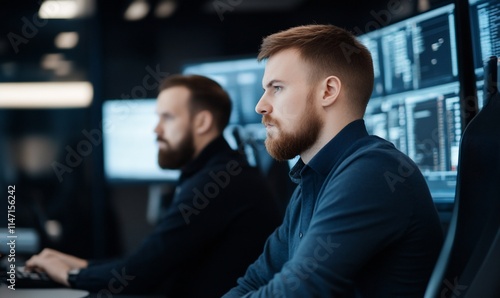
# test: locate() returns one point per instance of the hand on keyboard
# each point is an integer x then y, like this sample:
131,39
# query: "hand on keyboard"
57,268
27,279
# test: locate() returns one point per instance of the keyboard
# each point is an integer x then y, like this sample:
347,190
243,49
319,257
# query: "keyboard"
27,279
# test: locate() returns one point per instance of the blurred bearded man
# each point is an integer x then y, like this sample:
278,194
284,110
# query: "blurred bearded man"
216,223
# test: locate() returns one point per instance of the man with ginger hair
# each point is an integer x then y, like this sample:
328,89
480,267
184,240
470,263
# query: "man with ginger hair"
361,222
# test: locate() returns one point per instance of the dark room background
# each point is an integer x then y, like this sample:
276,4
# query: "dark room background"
54,156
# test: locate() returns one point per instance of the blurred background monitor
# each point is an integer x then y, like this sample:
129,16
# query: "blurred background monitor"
130,149
241,78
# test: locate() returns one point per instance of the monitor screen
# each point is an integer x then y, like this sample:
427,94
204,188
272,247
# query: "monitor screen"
485,29
415,103
241,78
130,149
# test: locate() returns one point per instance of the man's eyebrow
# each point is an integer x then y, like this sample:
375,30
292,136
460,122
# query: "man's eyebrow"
272,82
164,114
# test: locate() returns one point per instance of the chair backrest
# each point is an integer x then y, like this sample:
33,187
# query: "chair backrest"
476,215
486,283
275,172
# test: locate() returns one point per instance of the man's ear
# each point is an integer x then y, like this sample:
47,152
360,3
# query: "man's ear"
203,122
331,90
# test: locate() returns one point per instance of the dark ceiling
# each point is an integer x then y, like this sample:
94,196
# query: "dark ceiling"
113,52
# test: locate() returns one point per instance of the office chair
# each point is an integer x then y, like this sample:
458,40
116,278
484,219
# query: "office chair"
486,282
472,241
275,172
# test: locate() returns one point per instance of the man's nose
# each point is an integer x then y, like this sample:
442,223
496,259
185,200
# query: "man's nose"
263,107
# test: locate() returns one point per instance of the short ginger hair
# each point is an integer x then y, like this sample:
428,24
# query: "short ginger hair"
329,50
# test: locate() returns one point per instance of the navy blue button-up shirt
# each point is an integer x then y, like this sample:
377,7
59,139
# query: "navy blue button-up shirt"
361,223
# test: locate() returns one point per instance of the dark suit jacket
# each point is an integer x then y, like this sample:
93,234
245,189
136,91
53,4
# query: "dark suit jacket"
216,225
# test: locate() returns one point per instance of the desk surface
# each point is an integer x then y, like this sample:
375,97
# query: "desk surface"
42,293
56,293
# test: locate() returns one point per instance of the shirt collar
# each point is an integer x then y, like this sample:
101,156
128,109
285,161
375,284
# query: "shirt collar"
332,152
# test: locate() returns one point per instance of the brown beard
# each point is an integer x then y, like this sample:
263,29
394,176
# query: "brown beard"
175,158
287,145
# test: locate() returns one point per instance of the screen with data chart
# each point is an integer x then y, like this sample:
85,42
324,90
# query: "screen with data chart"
415,102
485,30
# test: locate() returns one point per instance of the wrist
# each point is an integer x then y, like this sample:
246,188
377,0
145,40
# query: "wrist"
71,277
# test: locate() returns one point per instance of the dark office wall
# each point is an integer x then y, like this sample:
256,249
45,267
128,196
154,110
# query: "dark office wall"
57,207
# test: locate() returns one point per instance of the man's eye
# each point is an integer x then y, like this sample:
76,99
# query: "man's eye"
277,88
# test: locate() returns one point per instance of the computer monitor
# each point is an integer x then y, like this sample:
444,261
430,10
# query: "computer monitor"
485,29
415,103
241,78
130,149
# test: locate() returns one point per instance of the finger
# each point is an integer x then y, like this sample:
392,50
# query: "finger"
30,262
33,262
38,269
46,252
